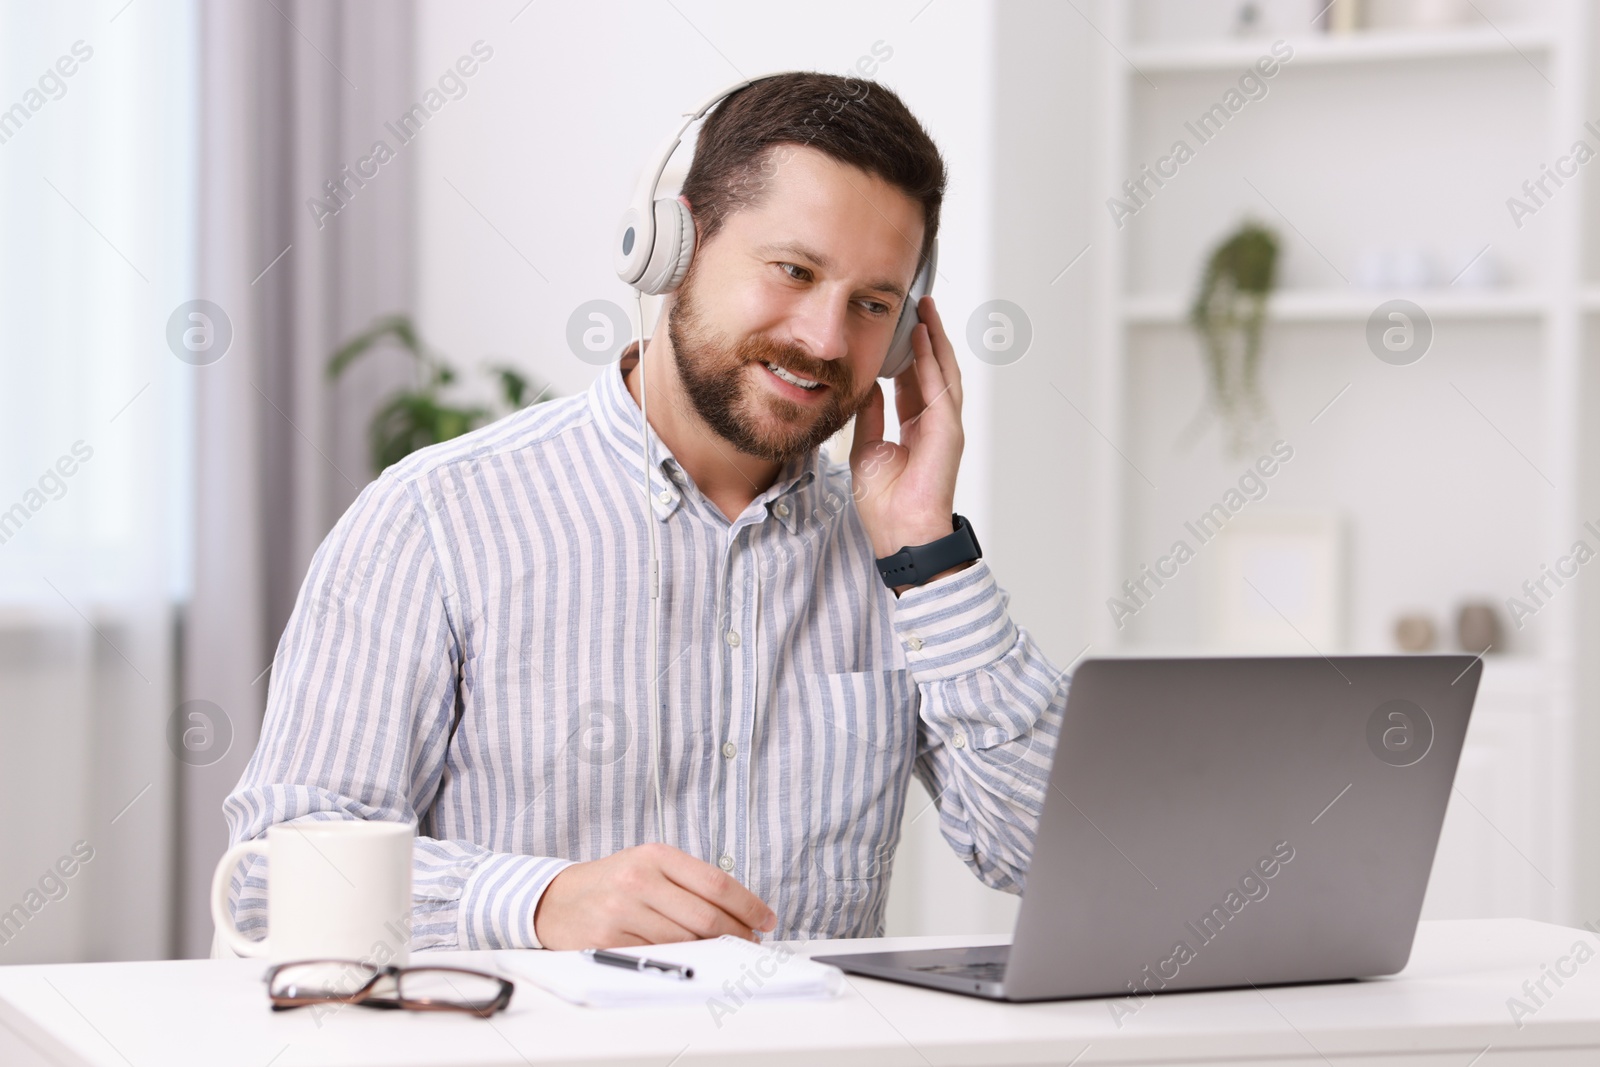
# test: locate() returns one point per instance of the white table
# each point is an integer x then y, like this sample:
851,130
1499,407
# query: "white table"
1447,1007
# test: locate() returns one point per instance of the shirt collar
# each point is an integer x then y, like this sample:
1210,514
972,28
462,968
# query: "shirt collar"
621,423
789,498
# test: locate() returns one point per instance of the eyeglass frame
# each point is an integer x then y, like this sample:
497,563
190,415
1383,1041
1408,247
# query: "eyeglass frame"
363,997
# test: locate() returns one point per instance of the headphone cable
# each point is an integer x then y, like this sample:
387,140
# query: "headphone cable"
653,627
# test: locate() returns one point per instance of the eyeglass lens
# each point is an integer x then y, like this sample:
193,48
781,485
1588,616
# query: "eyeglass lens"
337,979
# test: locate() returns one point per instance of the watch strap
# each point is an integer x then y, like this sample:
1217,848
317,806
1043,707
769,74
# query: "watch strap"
914,565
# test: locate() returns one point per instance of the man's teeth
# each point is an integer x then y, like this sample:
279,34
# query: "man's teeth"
792,379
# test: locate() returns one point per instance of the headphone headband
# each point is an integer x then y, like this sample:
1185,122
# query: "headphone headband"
635,250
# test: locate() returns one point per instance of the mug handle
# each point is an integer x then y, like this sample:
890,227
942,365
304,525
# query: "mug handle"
220,916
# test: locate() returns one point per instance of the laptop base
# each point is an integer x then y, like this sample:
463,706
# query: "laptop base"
978,971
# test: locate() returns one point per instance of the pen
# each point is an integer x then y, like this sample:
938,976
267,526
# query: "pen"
638,963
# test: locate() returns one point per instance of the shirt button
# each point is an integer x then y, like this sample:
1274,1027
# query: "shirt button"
726,863
914,643
733,638
958,741
665,497
781,510
729,749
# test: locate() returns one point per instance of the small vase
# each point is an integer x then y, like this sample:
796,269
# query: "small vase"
1414,633
1478,627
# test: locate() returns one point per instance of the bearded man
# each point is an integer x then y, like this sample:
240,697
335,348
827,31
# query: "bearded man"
468,651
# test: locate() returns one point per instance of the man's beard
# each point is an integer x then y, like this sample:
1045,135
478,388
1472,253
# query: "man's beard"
712,370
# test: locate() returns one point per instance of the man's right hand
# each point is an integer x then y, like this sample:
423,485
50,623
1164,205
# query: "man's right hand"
646,895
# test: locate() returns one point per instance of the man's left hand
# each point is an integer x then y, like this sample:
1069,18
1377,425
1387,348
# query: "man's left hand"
905,492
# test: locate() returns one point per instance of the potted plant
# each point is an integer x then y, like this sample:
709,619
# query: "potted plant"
418,417
1228,313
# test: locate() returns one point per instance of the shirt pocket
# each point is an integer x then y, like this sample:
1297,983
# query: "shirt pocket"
864,729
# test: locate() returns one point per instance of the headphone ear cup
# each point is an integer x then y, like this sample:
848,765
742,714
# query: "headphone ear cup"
900,355
630,251
672,250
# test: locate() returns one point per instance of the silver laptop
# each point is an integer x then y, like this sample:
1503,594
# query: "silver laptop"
1225,822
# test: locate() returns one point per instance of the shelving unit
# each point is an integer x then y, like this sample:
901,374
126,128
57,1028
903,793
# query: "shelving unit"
1377,46
1378,118
1332,305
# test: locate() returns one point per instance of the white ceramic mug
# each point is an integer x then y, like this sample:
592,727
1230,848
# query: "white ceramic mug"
336,889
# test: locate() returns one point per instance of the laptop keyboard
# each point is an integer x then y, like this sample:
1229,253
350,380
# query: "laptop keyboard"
988,971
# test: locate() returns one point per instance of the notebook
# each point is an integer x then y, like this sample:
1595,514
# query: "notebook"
729,969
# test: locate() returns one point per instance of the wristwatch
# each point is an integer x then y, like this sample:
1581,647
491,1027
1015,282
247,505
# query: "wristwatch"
913,566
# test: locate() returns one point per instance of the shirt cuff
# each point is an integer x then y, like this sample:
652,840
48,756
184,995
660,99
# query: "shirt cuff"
500,897
954,625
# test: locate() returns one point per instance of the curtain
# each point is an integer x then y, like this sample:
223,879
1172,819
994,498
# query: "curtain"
302,245
96,251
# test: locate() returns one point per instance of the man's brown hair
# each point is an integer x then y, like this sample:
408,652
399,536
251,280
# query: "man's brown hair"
854,121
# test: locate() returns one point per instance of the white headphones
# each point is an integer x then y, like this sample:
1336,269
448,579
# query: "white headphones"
655,240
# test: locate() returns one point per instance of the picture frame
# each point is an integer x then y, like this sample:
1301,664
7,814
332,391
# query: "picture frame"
1277,584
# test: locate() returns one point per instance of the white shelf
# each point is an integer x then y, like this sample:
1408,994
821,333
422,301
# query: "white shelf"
1355,305
1372,46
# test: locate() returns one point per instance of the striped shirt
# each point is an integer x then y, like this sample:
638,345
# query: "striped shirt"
468,652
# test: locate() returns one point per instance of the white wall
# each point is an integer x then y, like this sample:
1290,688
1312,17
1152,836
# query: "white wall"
522,180
1039,470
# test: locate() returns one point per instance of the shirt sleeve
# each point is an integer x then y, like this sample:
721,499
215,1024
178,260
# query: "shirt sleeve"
359,715
991,707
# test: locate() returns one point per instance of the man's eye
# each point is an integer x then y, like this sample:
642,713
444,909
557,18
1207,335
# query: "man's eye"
799,274
876,307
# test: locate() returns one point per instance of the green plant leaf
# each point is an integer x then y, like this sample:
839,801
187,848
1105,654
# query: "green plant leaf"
513,383
412,419
397,326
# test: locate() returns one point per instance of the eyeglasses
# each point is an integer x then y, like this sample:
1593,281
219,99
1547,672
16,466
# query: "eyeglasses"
305,982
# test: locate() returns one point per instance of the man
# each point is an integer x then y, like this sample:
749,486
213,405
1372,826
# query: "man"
469,647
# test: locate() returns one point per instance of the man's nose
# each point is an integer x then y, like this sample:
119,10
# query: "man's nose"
819,326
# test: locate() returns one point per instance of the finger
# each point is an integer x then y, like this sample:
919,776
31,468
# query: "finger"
869,423
944,351
907,386
654,928
930,380
624,940
720,888
696,914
